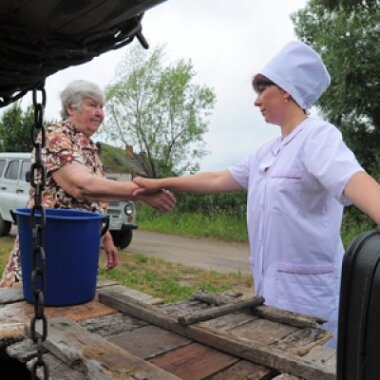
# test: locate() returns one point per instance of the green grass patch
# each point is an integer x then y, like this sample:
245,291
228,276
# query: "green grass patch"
170,281
215,226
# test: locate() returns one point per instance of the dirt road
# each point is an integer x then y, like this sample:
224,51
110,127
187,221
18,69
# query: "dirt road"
200,253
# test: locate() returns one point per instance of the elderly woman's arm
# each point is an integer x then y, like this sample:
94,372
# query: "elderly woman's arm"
364,193
112,254
76,180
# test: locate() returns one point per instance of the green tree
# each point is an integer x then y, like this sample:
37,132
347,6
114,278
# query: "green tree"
159,110
16,129
347,34
350,3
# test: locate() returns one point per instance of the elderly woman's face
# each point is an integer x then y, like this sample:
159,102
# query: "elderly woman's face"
88,117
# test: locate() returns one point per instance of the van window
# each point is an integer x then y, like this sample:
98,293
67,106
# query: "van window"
25,167
2,166
12,170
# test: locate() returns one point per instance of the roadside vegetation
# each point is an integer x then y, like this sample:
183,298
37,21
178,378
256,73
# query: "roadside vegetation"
171,104
173,282
169,281
223,217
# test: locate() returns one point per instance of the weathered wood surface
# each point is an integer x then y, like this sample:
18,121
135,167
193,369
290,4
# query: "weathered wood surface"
10,295
272,313
139,296
15,313
239,346
97,357
217,311
25,352
236,346
22,312
160,341
245,370
149,341
194,361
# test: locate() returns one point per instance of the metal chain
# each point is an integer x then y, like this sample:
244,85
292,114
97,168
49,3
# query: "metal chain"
37,221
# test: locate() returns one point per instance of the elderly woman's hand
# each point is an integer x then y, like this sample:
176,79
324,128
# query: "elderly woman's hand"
112,254
162,200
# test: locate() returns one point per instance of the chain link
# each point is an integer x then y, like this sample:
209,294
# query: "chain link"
38,221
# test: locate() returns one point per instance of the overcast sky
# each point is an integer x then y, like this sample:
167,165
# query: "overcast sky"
227,42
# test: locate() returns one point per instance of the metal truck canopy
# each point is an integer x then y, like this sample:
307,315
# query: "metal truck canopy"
40,37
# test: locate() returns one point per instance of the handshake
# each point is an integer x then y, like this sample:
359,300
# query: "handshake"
151,192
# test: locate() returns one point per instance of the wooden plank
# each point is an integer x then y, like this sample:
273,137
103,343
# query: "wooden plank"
25,352
239,346
99,358
230,321
302,341
148,342
12,331
194,361
58,370
286,376
263,332
182,308
112,324
22,312
103,282
217,298
263,311
137,295
15,294
323,356
14,316
244,370
288,317
10,295
217,311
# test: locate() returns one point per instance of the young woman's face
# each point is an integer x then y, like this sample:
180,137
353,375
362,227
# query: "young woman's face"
88,117
271,101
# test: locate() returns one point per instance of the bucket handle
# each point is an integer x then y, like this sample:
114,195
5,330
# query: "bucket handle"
106,225
13,215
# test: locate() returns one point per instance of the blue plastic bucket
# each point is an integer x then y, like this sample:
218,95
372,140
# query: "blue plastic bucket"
72,244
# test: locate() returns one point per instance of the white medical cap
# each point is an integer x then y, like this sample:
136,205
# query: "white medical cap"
300,71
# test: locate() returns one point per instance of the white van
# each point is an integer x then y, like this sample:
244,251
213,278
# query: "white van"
14,193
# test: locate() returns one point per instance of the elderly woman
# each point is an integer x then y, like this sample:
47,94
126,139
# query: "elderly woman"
74,172
297,185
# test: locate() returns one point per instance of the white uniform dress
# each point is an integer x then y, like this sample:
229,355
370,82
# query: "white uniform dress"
294,212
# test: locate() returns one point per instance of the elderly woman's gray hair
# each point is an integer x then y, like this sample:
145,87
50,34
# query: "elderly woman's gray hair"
76,91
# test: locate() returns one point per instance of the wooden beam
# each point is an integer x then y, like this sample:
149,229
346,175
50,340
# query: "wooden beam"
264,311
11,295
204,315
97,357
243,348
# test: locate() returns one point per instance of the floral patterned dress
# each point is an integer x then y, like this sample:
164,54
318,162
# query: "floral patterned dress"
64,144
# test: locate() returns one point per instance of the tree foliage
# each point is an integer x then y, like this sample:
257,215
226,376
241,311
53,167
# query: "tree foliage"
349,4
347,36
16,129
159,111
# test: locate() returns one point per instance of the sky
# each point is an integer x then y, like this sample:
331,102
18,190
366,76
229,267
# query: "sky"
227,43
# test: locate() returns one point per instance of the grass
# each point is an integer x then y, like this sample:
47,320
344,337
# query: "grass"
216,226
169,281
174,282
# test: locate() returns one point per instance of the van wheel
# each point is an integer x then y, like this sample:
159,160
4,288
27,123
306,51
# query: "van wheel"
5,227
122,239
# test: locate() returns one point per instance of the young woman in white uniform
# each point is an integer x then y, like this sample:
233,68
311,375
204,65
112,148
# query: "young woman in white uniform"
297,187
